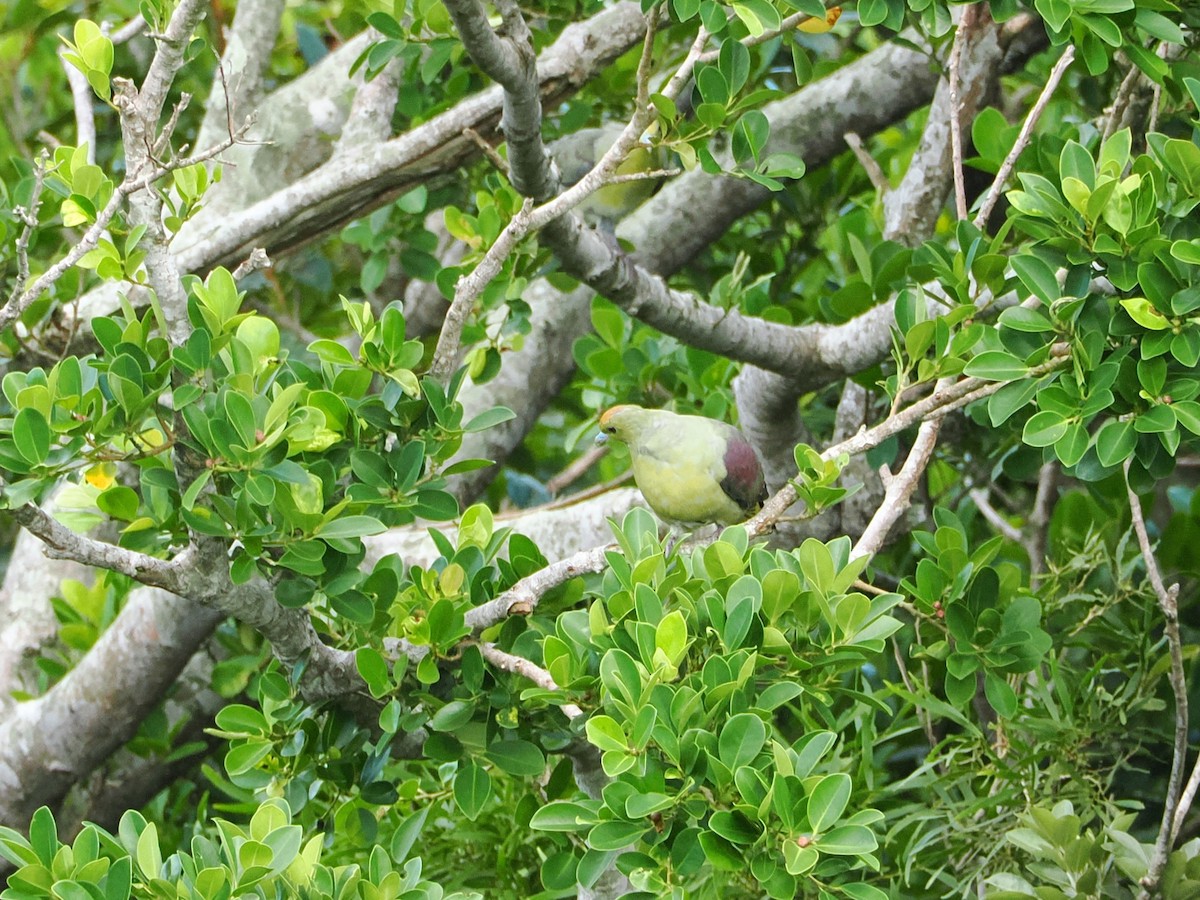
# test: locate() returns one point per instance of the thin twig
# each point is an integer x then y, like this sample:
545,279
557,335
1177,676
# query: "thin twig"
1039,519
992,197
868,162
922,713
1167,601
937,405
961,36
518,665
984,504
524,596
899,490
470,286
530,219
91,237
164,138
1121,101
577,468
29,220
81,98
487,150
129,30
257,259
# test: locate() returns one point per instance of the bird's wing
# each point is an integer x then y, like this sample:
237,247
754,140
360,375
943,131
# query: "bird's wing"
743,480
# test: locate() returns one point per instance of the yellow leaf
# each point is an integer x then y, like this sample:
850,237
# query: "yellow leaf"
820,26
101,475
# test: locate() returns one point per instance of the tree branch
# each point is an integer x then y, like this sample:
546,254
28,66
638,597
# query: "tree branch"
899,490
993,193
518,665
1167,602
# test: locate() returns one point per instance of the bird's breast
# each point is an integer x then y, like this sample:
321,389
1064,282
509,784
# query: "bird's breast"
686,490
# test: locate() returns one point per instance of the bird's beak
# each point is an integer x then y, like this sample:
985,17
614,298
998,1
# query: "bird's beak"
601,439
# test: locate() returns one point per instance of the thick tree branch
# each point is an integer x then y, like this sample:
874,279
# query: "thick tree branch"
54,741
62,543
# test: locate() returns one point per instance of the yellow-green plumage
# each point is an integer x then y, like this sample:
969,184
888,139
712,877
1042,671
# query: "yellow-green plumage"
576,154
691,470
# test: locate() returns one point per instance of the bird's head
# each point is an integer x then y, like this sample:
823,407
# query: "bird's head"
619,423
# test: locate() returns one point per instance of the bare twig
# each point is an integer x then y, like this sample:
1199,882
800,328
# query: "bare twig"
899,490
992,197
133,183
468,288
1173,811
524,596
961,36
983,503
1039,519
518,665
531,219
81,98
28,217
937,405
163,144
62,543
257,259
868,162
129,30
922,714
578,466
1121,100
487,150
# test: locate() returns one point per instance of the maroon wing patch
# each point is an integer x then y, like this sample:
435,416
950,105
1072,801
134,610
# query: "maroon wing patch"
743,480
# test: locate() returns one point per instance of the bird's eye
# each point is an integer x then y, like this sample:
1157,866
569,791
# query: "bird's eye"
610,429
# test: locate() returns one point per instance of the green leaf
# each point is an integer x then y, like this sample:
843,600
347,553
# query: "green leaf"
1021,318
406,834
43,835
563,815
614,835
1143,312
472,789
240,719
517,757
828,800
1071,447
741,740
1115,442
332,352
849,840
350,527
435,505
605,733
996,365
1044,428
1037,277
119,502
149,856
1000,694
374,670
31,434
489,419
452,716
